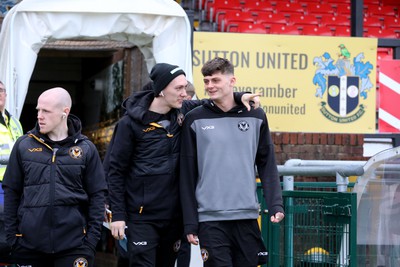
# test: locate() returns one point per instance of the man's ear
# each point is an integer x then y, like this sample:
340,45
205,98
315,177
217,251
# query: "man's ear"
66,111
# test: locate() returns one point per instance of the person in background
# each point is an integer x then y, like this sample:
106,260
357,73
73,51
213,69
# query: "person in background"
10,131
143,168
222,144
191,92
54,189
183,259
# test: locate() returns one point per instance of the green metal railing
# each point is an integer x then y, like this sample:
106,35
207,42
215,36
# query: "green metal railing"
320,228
319,186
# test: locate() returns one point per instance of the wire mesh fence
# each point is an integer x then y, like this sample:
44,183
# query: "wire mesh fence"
319,230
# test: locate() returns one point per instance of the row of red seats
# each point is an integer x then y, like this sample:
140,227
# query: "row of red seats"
249,27
286,7
226,17
316,8
202,3
257,16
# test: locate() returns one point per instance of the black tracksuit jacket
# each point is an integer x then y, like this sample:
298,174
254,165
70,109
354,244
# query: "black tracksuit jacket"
142,162
54,192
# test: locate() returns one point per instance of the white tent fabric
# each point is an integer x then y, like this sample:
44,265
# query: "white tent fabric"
160,28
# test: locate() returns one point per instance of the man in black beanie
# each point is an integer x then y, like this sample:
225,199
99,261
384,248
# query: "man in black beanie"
142,167
162,74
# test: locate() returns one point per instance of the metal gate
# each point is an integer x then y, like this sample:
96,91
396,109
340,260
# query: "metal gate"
320,229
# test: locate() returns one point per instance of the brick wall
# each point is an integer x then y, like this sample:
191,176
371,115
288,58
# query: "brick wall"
318,146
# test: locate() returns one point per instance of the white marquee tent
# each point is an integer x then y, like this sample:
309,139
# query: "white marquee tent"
160,28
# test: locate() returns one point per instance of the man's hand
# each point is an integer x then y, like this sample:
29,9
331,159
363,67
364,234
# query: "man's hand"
193,239
277,217
251,100
118,229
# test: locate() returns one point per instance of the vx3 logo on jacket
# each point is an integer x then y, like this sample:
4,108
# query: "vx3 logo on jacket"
140,243
152,128
208,127
35,149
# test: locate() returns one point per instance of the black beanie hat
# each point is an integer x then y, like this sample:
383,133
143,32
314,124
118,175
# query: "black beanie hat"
162,74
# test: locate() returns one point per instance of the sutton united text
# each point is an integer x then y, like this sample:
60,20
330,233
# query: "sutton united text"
292,61
261,60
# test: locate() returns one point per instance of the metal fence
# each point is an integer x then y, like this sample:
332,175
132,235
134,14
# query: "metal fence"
320,227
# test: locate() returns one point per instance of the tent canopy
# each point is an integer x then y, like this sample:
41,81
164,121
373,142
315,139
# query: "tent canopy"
159,28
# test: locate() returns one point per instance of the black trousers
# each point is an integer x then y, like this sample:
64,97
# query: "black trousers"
123,256
153,243
183,259
230,243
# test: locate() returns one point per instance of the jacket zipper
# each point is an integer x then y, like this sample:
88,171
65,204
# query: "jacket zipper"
52,192
52,184
169,135
155,124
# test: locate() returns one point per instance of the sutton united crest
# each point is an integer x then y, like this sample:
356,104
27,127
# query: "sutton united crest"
343,84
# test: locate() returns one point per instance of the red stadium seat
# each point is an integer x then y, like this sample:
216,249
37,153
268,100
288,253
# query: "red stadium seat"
224,18
341,30
370,22
380,33
391,22
335,20
258,6
213,6
391,3
342,9
336,1
313,30
319,9
383,11
284,29
300,19
288,7
373,2
269,25
262,14
306,2
369,6
385,53
275,18
246,27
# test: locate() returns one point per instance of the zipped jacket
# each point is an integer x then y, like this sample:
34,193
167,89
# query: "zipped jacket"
142,162
54,192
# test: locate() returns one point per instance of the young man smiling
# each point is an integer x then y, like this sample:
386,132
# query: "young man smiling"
222,144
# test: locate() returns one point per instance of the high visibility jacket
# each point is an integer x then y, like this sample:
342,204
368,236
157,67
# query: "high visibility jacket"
9,133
